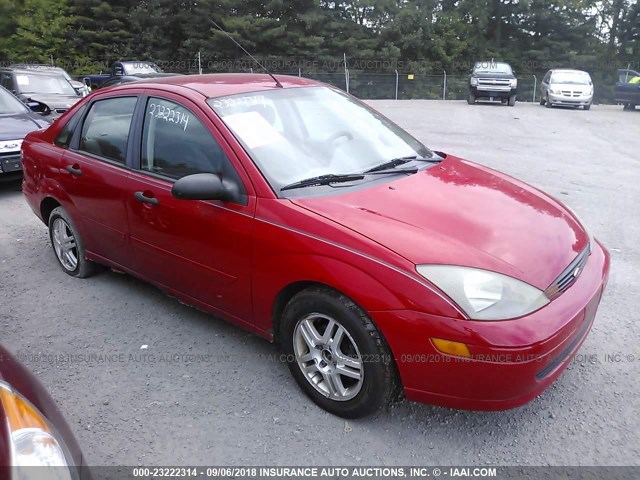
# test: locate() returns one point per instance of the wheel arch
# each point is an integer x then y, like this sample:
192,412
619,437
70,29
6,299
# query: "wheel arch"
285,295
48,205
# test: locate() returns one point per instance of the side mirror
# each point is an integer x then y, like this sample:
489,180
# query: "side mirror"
514,73
87,81
206,186
38,107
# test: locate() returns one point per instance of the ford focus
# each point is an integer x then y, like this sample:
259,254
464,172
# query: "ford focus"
299,213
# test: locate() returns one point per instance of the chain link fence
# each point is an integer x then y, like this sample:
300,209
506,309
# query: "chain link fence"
407,86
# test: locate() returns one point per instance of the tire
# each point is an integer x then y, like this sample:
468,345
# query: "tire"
626,107
542,102
471,99
311,322
587,107
512,100
547,103
68,247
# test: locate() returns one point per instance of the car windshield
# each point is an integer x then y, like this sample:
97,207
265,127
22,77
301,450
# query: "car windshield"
44,84
573,78
140,67
493,67
297,133
10,105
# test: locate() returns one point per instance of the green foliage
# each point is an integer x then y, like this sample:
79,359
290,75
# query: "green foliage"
376,35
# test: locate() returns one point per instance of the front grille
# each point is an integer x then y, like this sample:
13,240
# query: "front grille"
10,162
569,275
499,82
571,93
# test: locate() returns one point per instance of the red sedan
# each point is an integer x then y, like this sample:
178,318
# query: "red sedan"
301,214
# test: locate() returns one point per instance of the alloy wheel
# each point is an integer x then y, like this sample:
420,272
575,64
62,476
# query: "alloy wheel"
64,244
328,357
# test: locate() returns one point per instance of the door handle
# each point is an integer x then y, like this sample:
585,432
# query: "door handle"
74,169
141,197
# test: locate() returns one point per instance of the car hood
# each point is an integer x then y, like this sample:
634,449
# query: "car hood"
494,75
16,126
574,87
459,213
53,101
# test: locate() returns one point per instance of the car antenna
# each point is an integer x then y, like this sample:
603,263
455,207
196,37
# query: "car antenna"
278,84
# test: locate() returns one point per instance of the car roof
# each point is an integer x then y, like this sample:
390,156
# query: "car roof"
48,71
568,70
221,84
491,62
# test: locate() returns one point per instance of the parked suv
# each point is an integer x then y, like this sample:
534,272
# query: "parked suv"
79,87
50,88
628,88
569,88
493,80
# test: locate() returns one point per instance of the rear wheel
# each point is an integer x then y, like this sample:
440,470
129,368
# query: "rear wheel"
336,354
68,246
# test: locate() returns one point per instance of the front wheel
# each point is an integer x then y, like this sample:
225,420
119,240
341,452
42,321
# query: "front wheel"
68,246
336,355
471,99
512,100
587,107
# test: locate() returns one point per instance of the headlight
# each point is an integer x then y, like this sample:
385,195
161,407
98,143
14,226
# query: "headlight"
474,82
555,91
484,295
33,440
513,83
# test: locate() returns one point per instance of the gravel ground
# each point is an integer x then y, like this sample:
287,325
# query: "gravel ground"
229,403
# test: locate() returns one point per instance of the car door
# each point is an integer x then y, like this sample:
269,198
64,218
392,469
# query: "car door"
94,175
627,90
201,249
544,86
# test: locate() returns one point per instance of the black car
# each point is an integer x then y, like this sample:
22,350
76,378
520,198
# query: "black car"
16,120
491,80
47,87
122,79
628,88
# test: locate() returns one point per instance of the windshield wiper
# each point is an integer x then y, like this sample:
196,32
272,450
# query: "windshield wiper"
323,180
394,162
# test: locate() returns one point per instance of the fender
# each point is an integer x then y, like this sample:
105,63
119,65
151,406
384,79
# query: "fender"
373,286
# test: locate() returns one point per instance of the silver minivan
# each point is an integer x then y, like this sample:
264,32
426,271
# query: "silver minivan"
564,87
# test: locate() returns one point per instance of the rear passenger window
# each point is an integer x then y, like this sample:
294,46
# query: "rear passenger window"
64,137
175,143
106,128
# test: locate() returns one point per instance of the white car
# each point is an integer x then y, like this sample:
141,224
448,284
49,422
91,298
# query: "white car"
568,88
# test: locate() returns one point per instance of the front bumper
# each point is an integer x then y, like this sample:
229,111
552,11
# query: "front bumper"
511,362
559,99
10,163
485,91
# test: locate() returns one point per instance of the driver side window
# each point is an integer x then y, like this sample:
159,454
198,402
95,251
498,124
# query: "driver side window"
175,143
